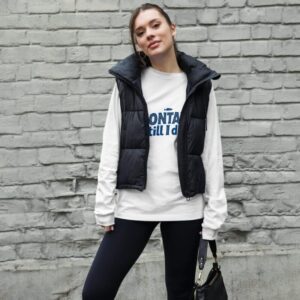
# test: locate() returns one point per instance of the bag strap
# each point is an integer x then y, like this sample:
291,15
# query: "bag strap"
202,253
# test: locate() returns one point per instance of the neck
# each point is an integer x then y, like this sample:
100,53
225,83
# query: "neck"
166,62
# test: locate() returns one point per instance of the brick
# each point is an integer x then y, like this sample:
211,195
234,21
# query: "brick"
270,15
99,118
8,158
185,17
17,6
285,96
101,86
100,53
291,111
293,64
120,52
191,34
91,135
291,80
232,65
282,32
230,49
286,128
13,37
285,48
286,236
85,152
290,15
36,6
7,253
250,15
264,81
48,38
215,3
59,121
10,125
55,71
229,82
56,155
261,31
23,73
35,122
91,102
236,3
77,54
99,36
229,32
229,16
234,129
27,157
230,113
81,119
207,16
119,20
79,87
94,5
208,50
190,48
262,112
181,4
79,21
233,97
67,5
8,72
264,2
259,237
262,64
95,70
262,96
259,144
255,48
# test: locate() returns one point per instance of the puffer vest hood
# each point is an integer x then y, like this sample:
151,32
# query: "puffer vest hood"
134,146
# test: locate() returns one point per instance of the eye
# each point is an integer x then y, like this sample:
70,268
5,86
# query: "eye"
156,25
139,33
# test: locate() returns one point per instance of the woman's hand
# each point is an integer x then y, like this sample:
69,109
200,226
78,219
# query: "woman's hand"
108,228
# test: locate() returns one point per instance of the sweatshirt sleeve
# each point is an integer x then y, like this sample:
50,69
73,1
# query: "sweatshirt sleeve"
107,172
215,210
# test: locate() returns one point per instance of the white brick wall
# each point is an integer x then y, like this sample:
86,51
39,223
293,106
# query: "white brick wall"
54,93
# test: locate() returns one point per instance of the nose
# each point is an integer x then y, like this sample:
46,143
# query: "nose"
149,34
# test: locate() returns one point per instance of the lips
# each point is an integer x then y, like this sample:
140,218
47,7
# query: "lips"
155,43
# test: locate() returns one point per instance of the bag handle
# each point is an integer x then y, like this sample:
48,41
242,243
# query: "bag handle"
202,253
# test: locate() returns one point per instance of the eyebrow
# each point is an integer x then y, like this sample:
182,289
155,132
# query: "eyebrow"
151,21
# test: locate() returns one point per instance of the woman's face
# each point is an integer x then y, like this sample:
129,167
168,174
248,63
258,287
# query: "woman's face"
152,33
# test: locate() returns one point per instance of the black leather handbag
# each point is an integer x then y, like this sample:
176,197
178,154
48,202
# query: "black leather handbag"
213,288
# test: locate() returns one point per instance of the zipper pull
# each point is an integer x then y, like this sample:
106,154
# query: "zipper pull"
188,198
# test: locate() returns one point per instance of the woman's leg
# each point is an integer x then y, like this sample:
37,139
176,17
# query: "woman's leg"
117,253
181,242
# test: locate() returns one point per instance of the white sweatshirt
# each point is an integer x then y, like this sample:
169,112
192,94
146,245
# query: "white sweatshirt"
162,200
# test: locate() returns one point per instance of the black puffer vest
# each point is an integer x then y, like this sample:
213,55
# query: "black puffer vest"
134,148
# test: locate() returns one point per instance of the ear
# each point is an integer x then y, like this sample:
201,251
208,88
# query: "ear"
173,29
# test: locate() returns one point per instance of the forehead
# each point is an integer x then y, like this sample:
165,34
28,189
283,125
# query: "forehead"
146,16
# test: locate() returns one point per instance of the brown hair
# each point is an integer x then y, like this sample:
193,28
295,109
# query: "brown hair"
144,59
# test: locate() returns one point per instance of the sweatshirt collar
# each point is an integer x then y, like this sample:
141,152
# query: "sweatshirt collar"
129,69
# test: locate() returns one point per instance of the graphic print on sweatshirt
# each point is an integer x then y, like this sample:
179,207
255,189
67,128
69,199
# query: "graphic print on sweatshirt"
164,123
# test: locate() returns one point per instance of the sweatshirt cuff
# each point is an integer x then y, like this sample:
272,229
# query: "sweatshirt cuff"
209,234
106,220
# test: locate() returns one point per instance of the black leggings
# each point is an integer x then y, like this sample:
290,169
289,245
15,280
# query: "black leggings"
120,249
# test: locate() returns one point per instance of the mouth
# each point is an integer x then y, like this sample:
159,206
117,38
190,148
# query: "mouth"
153,45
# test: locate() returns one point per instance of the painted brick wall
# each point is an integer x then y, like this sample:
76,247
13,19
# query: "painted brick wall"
54,93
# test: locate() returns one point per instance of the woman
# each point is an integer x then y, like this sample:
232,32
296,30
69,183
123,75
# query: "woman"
156,161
